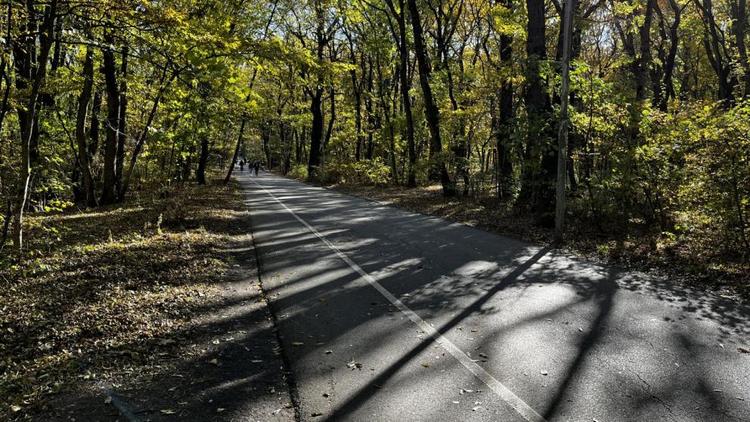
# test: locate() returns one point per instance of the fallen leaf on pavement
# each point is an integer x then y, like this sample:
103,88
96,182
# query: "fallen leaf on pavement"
354,365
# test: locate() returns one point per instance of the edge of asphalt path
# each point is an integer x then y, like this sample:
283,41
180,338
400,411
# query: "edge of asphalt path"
287,373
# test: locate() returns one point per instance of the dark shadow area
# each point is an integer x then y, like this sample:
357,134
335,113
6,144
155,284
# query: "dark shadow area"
365,392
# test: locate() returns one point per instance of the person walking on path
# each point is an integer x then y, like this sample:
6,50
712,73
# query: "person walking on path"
256,166
242,165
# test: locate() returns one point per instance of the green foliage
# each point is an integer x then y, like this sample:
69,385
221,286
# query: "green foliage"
298,171
366,172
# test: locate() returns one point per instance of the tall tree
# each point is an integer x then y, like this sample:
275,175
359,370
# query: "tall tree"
540,159
438,169
401,39
112,124
84,155
31,71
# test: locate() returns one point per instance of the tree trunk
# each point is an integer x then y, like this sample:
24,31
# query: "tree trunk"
332,120
438,170
200,173
83,148
95,124
405,86
266,137
356,90
29,71
714,43
504,128
540,159
236,154
316,133
113,115
122,125
316,100
739,30
141,141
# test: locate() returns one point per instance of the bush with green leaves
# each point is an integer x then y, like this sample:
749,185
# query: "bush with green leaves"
366,172
298,171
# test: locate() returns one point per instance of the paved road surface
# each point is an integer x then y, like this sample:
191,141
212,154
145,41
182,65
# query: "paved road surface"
387,315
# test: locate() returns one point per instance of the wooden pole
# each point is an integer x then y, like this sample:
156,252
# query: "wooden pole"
562,136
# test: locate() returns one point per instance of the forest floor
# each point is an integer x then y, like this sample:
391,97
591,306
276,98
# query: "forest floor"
151,309
683,262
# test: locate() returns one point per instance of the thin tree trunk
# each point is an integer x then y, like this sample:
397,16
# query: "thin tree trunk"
83,151
332,120
95,124
236,152
438,170
122,124
562,140
28,118
141,141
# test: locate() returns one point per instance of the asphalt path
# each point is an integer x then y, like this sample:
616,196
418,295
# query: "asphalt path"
388,315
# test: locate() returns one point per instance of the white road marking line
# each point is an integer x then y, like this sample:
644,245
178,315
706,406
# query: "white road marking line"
515,402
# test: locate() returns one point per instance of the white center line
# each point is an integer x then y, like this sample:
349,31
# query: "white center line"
515,402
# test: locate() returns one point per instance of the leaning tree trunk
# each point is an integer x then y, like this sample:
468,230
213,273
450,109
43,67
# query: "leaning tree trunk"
438,170
236,154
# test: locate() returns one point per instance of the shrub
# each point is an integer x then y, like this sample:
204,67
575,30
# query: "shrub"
298,171
366,172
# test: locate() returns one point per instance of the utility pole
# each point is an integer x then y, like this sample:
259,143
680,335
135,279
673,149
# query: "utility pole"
562,135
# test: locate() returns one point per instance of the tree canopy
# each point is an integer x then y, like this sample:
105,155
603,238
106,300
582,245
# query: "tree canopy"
101,98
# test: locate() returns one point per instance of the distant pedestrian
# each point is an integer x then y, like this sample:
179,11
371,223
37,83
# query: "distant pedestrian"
257,167
242,165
